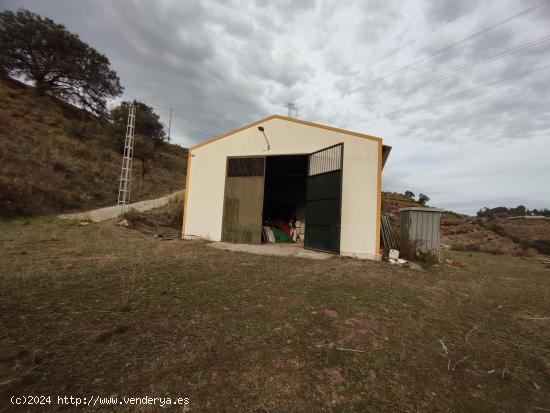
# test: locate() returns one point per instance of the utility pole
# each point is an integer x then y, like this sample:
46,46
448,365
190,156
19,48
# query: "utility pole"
126,173
170,124
291,108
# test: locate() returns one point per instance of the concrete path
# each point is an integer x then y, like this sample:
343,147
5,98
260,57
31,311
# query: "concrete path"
284,250
103,214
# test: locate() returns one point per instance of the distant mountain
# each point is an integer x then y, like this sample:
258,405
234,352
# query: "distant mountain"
471,207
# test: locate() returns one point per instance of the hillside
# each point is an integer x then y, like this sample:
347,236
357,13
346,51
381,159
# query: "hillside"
56,158
521,236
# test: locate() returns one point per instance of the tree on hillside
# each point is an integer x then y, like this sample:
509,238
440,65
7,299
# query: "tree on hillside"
147,122
519,210
57,61
409,194
149,131
144,150
423,199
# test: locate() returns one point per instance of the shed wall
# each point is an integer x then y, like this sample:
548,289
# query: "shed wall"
360,185
423,227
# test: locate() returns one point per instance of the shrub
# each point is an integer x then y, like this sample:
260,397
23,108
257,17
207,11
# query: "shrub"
542,246
491,250
59,166
132,216
177,214
409,250
526,252
78,130
466,246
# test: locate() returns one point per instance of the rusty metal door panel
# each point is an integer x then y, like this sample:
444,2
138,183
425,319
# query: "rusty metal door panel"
243,200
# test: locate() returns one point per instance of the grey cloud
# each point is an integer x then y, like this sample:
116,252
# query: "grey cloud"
378,17
286,10
438,13
285,68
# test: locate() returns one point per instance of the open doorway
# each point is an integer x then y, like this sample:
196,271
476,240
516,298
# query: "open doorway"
285,199
301,202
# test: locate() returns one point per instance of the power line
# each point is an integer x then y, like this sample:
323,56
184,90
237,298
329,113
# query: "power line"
458,16
197,126
457,94
190,129
451,46
192,123
420,85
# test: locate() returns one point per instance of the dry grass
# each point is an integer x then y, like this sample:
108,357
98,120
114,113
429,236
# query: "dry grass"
100,309
163,222
53,160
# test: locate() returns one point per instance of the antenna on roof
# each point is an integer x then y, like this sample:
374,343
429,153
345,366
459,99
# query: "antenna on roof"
291,108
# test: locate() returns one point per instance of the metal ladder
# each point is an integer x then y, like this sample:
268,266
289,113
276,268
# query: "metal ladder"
126,173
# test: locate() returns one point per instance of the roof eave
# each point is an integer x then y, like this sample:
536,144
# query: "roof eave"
295,120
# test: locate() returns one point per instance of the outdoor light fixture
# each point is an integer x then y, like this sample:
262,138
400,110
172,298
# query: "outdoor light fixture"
261,129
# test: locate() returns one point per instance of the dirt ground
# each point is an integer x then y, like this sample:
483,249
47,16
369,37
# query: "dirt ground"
528,229
104,310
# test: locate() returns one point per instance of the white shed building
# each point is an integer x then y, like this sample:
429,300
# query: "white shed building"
285,169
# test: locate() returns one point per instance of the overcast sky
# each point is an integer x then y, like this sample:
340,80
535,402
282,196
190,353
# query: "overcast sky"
390,68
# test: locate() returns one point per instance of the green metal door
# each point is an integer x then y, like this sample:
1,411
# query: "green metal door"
324,199
243,200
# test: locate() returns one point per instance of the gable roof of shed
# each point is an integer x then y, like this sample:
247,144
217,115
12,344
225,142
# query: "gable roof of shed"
288,119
